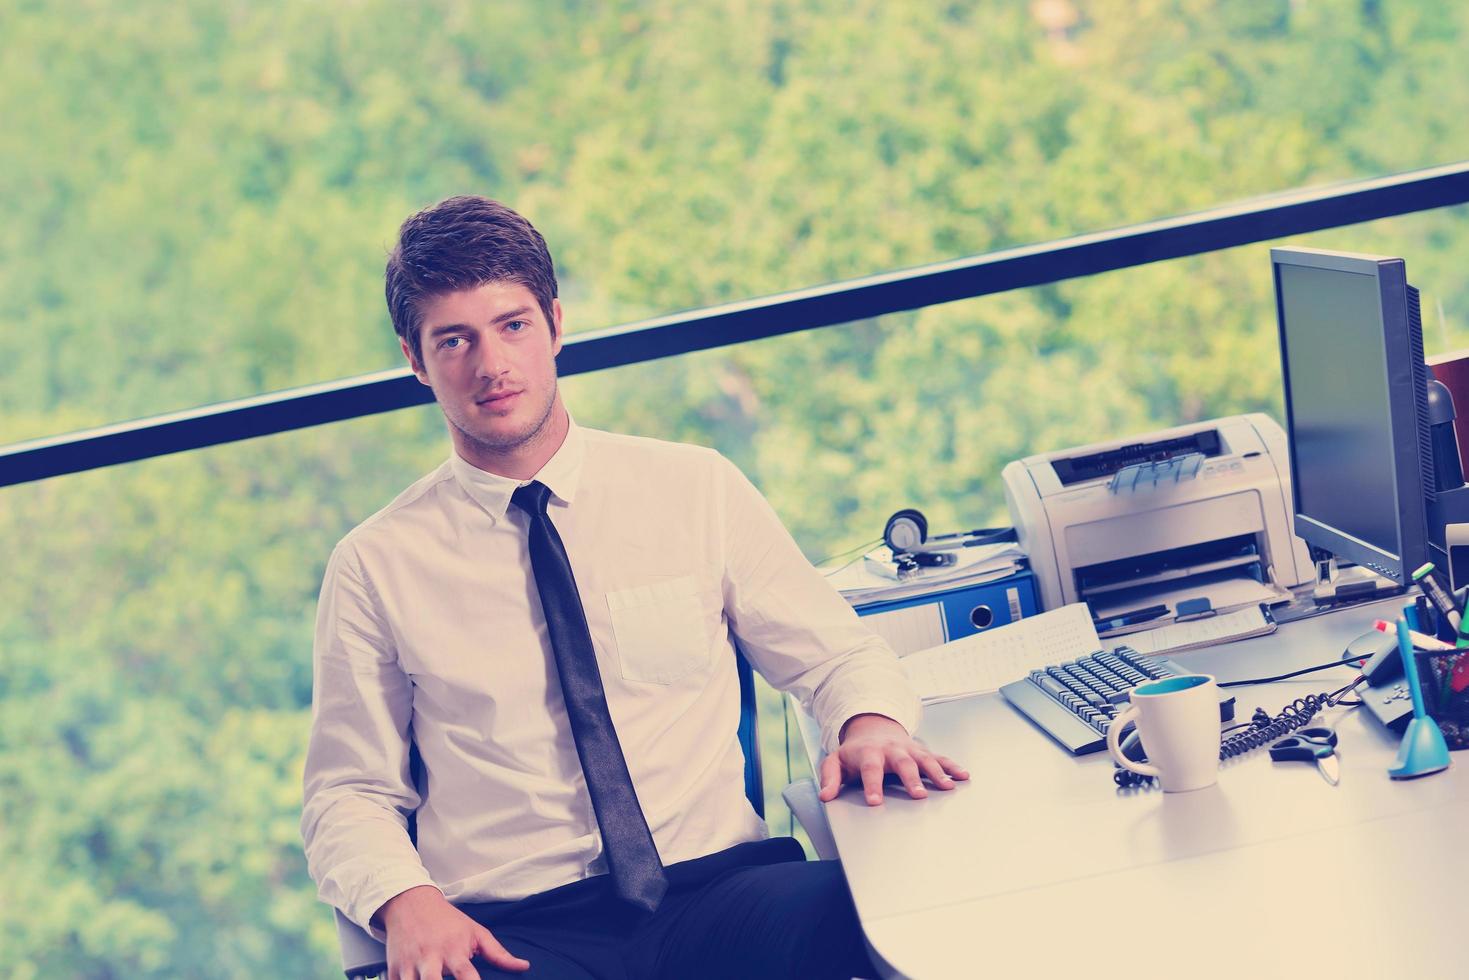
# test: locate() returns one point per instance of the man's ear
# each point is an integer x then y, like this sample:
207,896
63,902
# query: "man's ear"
557,327
413,362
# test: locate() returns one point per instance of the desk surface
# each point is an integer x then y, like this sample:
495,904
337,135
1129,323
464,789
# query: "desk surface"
1040,866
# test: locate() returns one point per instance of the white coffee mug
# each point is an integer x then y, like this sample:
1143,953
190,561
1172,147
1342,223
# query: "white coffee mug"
1178,722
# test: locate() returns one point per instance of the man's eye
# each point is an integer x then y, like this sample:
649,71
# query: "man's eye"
444,344
515,326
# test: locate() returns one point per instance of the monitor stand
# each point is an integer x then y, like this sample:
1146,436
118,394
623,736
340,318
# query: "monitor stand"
1326,575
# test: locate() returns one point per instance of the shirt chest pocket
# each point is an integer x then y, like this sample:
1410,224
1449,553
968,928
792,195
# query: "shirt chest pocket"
660,630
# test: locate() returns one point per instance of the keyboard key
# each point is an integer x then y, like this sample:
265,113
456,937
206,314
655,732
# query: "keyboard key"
1050,686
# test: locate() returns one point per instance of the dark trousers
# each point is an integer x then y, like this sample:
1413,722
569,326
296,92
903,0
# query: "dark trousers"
755,910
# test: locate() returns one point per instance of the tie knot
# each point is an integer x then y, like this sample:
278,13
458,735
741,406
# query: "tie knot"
532,498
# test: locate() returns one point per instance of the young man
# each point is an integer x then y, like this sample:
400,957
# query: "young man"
548,618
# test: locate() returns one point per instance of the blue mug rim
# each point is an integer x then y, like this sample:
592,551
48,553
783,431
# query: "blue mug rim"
1176,684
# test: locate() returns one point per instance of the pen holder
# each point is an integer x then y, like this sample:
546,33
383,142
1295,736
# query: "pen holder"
1439,672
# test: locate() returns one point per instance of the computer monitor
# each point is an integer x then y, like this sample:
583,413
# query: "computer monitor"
1351,349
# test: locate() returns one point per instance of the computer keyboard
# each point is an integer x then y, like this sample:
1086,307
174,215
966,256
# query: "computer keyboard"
1075,702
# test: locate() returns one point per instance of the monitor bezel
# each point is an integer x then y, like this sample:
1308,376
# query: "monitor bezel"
1404,412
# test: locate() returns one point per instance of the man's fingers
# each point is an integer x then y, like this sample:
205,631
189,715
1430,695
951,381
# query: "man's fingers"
496,954
872,768
934,770
910,762
907,771
952,768
460,968
831,781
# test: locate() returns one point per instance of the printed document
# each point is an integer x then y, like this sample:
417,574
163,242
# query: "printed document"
986,661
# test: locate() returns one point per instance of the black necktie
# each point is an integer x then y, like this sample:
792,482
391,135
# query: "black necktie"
632,858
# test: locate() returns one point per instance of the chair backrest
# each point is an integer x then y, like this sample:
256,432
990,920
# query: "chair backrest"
749,732
363,956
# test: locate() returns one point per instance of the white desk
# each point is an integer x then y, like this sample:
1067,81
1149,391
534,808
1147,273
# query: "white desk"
1039,866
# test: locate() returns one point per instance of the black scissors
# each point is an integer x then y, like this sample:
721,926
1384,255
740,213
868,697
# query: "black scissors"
1316,745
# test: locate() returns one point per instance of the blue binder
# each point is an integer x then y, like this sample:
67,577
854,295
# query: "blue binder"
970,609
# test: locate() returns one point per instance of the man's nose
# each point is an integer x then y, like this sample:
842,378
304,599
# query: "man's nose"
491,363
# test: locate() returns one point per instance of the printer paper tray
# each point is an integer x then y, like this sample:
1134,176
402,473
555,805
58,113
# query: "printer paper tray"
1226,591
1170,575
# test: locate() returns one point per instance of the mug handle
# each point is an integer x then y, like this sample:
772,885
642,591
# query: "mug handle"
1114,732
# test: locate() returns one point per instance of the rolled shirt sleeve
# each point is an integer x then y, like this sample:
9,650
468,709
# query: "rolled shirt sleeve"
794,627
358,789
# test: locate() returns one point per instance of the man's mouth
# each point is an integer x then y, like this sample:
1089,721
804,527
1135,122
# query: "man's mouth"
497,398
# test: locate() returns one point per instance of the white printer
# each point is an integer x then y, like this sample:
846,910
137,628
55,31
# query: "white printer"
1207,503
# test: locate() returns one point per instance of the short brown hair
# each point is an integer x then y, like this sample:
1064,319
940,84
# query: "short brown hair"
461,243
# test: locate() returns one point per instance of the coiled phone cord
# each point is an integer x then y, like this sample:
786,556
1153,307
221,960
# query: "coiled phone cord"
1260,730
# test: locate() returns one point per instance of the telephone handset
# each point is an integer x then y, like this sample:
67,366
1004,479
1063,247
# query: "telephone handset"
1385,695
1378,654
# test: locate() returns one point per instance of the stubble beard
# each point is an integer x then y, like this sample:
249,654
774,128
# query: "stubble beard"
507,442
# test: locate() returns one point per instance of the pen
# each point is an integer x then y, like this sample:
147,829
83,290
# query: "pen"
1420,640
1424,577
1445,604
1131,618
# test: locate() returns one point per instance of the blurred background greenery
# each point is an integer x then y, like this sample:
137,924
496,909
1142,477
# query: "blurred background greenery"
200,197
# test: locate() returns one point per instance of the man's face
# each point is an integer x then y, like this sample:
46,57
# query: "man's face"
490,357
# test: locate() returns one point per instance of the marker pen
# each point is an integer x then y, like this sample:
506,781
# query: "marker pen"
1420,640
1445,604
1441,599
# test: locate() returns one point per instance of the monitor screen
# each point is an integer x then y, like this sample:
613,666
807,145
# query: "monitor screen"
1341,413
1352,364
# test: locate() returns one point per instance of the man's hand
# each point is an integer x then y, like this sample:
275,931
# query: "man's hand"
873,745
428,938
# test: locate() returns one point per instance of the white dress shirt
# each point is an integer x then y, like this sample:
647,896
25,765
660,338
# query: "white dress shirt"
430,629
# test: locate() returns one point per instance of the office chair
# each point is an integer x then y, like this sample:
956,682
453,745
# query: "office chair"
364,958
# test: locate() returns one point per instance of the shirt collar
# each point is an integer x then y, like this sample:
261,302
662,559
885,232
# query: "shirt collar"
561,474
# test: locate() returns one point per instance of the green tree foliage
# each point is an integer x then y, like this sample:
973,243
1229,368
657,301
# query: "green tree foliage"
200,197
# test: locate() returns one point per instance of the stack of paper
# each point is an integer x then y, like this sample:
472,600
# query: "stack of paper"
987,661
1178,637
862,582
